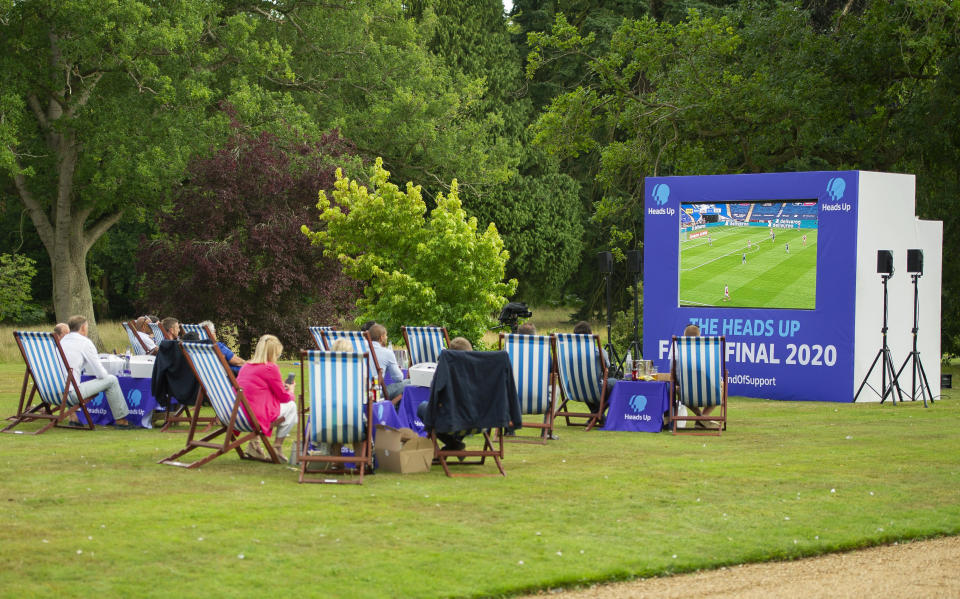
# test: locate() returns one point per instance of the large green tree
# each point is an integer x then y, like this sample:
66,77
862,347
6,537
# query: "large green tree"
103,102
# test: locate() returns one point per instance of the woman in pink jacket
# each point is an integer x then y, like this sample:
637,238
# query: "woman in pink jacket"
272,401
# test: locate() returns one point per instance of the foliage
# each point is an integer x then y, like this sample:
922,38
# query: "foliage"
417,270
230,250
16,273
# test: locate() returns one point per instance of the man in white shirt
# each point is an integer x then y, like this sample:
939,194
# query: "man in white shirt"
142,330
81,355
388,362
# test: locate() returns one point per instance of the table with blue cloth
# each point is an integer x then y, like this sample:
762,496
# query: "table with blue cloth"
136,391
413,396
637,406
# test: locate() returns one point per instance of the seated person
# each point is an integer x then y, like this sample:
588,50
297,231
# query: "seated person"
60,329
233,360
171,327
693,330
388,362
337,448
272,401
527,328
451,441
81,354
141,327
583,328
342,345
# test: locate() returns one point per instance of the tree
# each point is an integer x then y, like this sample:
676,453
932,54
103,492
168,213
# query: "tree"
417,270
230,250
103,103
16,272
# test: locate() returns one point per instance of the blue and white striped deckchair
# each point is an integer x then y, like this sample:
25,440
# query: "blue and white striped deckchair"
237,421
334,408
699,382
582,373
361,343
136,345
530,360
425,343
317,333
52,380
204,333
158,336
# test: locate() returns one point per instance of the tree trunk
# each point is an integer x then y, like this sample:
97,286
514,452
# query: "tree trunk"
71,286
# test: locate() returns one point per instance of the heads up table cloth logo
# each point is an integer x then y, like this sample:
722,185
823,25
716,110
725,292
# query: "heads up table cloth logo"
638,403
97,401
380,413
133,398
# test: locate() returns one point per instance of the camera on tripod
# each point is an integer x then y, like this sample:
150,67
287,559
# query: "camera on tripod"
512,313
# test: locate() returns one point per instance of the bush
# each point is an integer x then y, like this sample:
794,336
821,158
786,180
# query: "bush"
16,274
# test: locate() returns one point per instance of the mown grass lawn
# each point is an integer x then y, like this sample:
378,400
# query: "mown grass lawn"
90,513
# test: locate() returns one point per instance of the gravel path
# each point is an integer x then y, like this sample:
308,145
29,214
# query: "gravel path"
919,569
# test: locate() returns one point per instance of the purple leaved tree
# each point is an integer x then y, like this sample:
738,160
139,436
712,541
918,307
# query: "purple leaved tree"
231,249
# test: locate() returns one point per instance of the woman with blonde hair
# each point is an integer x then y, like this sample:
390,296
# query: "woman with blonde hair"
272,401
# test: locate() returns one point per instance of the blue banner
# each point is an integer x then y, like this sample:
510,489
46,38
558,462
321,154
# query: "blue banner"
637,406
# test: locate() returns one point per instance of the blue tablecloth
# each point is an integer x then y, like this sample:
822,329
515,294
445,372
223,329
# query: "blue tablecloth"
413,396
139,398
638,406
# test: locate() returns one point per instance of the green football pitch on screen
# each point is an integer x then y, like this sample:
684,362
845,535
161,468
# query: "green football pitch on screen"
758,270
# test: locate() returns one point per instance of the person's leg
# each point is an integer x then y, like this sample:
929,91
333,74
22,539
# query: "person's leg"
111,388
288,414
395,391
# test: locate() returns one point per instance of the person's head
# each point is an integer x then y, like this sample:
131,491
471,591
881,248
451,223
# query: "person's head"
582,328
367,325
378,333
142,324
191,336
527,328
692,330
171,325
152,318
461,344
341,345
268,349
77,324
209,325
60,329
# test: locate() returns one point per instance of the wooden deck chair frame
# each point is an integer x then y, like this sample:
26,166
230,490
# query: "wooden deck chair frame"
691,378
317,334
577,390
240,426
137,345
441,456
336,367
528,356
204,332
54,411
421,348
361,344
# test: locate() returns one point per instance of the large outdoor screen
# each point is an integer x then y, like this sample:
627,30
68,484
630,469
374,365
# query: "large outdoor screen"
756,254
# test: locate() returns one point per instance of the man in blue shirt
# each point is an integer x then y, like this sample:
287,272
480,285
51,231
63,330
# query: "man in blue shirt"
233,360
388,363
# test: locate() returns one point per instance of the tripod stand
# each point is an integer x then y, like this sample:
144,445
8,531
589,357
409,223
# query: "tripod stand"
915,355
887,366
611,352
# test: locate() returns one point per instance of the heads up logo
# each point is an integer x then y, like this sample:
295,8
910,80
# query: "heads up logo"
98,400
133,398
380,413
835,188
661,193
638,403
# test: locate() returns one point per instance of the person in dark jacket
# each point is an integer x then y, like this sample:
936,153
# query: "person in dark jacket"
172,376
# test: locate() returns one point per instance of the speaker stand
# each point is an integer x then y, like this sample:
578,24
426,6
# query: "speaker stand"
886,367
914,357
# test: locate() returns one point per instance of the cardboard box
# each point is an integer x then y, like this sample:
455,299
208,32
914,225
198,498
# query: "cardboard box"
421,374
402,450
141,367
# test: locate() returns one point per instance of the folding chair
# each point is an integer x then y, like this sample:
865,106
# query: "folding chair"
137,346
317,333
51,379
582,373
699,380
362,344
536,385
334,408
460,377
204,332
159,334
237,422
425,343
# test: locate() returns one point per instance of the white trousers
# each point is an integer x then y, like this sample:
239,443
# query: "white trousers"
288,411
111,387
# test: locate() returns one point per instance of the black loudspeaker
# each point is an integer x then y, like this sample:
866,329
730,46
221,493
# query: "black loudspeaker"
605,262
915,261
635,261
885,262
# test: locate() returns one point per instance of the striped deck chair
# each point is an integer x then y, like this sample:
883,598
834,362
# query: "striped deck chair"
360,340
334,408
699,382
536,384
158,334
237,422
582,373
51,379
136,343
204,332
317,333
425,343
